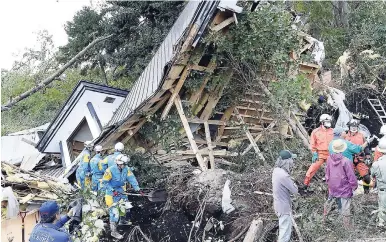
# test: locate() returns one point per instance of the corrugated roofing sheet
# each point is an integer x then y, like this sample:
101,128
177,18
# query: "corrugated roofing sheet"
52,172
151,78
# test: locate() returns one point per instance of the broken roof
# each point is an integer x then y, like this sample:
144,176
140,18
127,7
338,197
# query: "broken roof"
195,13
18,148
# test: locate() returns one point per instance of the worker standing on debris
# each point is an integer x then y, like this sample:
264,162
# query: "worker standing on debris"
320,139
341,181
114,181
361,160
96,169
49,227
283,186
377,153
110,160
378,171
83,172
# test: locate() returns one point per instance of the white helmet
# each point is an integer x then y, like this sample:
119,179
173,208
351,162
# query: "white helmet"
382,145
119,159
119,146
383,130
325,118
98,148
87,144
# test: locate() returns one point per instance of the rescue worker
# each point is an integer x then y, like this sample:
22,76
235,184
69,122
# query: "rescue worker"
110,160
96,169
351,150
359,161
49,227
83,172
283,187
320,139
377,153
341,181
114,180
378,171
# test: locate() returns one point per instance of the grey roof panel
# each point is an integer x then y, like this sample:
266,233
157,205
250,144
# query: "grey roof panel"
151,78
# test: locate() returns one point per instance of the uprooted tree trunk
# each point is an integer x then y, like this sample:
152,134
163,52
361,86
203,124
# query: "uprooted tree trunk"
53,77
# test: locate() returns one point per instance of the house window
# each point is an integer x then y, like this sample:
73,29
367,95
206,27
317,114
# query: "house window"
109,100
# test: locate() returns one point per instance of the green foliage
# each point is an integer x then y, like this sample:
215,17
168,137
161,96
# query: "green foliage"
165,133
292,91
194,80
139,28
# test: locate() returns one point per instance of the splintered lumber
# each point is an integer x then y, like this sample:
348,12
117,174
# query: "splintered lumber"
180,110
175,92
201,121
254,230
132,132
195,96
225,117
258,137
207,134
250,137
223,24
285,114
205,151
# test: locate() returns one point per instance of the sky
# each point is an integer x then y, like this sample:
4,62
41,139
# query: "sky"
20,20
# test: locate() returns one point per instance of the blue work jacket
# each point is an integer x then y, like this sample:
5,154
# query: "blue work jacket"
114,179
50,232
96,165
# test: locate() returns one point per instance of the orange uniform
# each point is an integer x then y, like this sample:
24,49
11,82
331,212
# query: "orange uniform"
359,139
320,139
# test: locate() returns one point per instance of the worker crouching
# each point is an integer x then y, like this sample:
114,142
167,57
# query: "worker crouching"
114,181
50,226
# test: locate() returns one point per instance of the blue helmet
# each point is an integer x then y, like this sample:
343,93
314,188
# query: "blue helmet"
48,210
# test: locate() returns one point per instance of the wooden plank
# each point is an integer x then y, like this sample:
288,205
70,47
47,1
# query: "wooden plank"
176,91
197,108
225,117
195,96
253,109
202,68
250,137
258,137
180,110
251,101
201,141
207,135
189,40
223,24
132,132
203,152
201,121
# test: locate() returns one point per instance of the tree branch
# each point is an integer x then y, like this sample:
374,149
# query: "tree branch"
53,77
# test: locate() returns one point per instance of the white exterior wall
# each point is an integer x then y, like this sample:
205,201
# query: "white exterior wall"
103,110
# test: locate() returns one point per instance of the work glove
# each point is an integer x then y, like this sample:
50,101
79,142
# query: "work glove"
141,192
88,174
314,157
115,193
367,161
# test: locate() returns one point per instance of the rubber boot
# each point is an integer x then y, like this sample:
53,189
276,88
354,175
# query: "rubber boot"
125,220
114,232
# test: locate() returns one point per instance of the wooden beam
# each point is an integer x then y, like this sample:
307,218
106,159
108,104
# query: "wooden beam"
207,135
195,96
176,91
201,121
180,110
223,24
204,151
201,141
225,117
250,137
202,68
132,132
258,137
